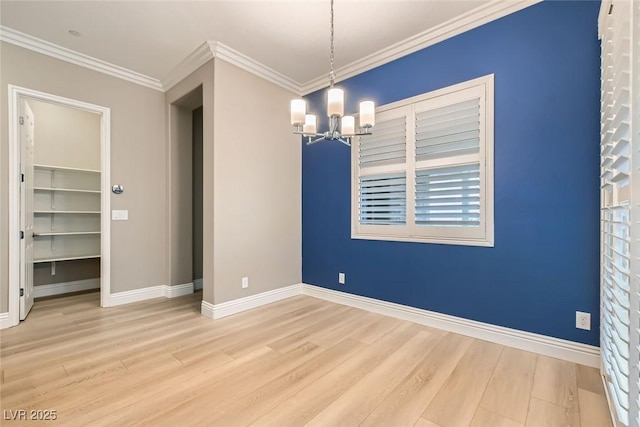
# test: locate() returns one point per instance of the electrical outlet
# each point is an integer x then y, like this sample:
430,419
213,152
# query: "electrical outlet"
245,282
583,320
341,278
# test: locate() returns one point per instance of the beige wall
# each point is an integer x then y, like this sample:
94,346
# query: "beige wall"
138,156
251,175
257,177
66,136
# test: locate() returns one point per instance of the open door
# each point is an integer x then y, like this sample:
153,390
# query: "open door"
27,121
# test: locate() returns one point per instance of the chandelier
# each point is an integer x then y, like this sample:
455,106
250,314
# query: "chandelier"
306,124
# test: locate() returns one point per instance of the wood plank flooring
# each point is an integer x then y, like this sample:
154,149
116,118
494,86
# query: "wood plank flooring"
297,362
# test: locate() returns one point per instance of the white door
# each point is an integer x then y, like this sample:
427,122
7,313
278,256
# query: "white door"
27,121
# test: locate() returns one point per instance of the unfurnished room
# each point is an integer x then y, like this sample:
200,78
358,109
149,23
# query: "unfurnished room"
420,213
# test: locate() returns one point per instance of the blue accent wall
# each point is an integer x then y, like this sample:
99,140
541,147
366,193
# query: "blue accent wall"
545,263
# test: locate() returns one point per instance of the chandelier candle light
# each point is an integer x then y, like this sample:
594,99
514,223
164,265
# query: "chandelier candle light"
306,124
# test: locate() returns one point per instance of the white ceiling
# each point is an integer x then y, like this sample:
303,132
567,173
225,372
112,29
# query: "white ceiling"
289,36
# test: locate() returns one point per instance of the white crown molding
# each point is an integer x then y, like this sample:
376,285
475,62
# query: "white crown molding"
241,60
536,343
468,21
217,311
5,322
44,47
214,49
188,65
65,287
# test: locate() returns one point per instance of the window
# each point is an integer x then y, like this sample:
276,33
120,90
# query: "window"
426,172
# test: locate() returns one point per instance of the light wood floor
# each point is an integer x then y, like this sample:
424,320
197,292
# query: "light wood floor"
301,361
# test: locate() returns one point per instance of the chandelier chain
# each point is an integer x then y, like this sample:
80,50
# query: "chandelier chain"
332,74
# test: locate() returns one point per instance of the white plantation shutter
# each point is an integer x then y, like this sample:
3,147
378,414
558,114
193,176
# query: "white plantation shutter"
382,182
620,224
426,173
634,348
449,167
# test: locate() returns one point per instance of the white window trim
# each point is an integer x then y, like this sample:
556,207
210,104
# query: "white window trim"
408,233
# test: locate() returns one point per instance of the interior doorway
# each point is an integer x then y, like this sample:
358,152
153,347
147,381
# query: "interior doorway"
186,160
59,198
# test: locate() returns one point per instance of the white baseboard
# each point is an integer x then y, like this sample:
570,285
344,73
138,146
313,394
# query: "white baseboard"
143,294
207,309
40,291
4,321
178,290
197,284
554,347
217,311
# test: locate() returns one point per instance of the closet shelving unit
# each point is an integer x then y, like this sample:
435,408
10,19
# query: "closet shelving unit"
66,214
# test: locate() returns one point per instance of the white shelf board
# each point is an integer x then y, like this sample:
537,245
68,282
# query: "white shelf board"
65,233
66,212
71,258
61,168
73,190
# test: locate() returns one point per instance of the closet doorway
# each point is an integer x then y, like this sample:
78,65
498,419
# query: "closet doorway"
186,189
59,198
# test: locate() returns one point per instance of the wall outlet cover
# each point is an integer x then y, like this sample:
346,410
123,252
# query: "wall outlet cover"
341,278
583,320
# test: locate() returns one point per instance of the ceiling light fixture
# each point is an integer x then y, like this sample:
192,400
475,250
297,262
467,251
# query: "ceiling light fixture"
306,124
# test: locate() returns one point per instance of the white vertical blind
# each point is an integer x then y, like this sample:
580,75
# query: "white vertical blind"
620,225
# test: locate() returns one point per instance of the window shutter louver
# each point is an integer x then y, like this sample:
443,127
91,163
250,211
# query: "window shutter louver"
387,146
448,131
448,196
383,199
619,234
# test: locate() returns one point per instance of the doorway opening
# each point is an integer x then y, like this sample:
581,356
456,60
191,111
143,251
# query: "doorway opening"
187,189
58,198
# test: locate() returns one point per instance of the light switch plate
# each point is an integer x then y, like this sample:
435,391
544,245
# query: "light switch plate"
119,215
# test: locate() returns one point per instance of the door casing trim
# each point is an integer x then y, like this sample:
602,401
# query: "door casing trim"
15,94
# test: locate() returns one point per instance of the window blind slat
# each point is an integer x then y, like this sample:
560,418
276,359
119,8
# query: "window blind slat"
460,185
382,199
386,146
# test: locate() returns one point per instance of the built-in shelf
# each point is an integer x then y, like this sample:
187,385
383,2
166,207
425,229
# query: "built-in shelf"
71,258
72,190
66,212
64,233
66,200
60,168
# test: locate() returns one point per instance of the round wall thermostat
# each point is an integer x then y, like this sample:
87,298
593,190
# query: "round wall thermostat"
117,189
